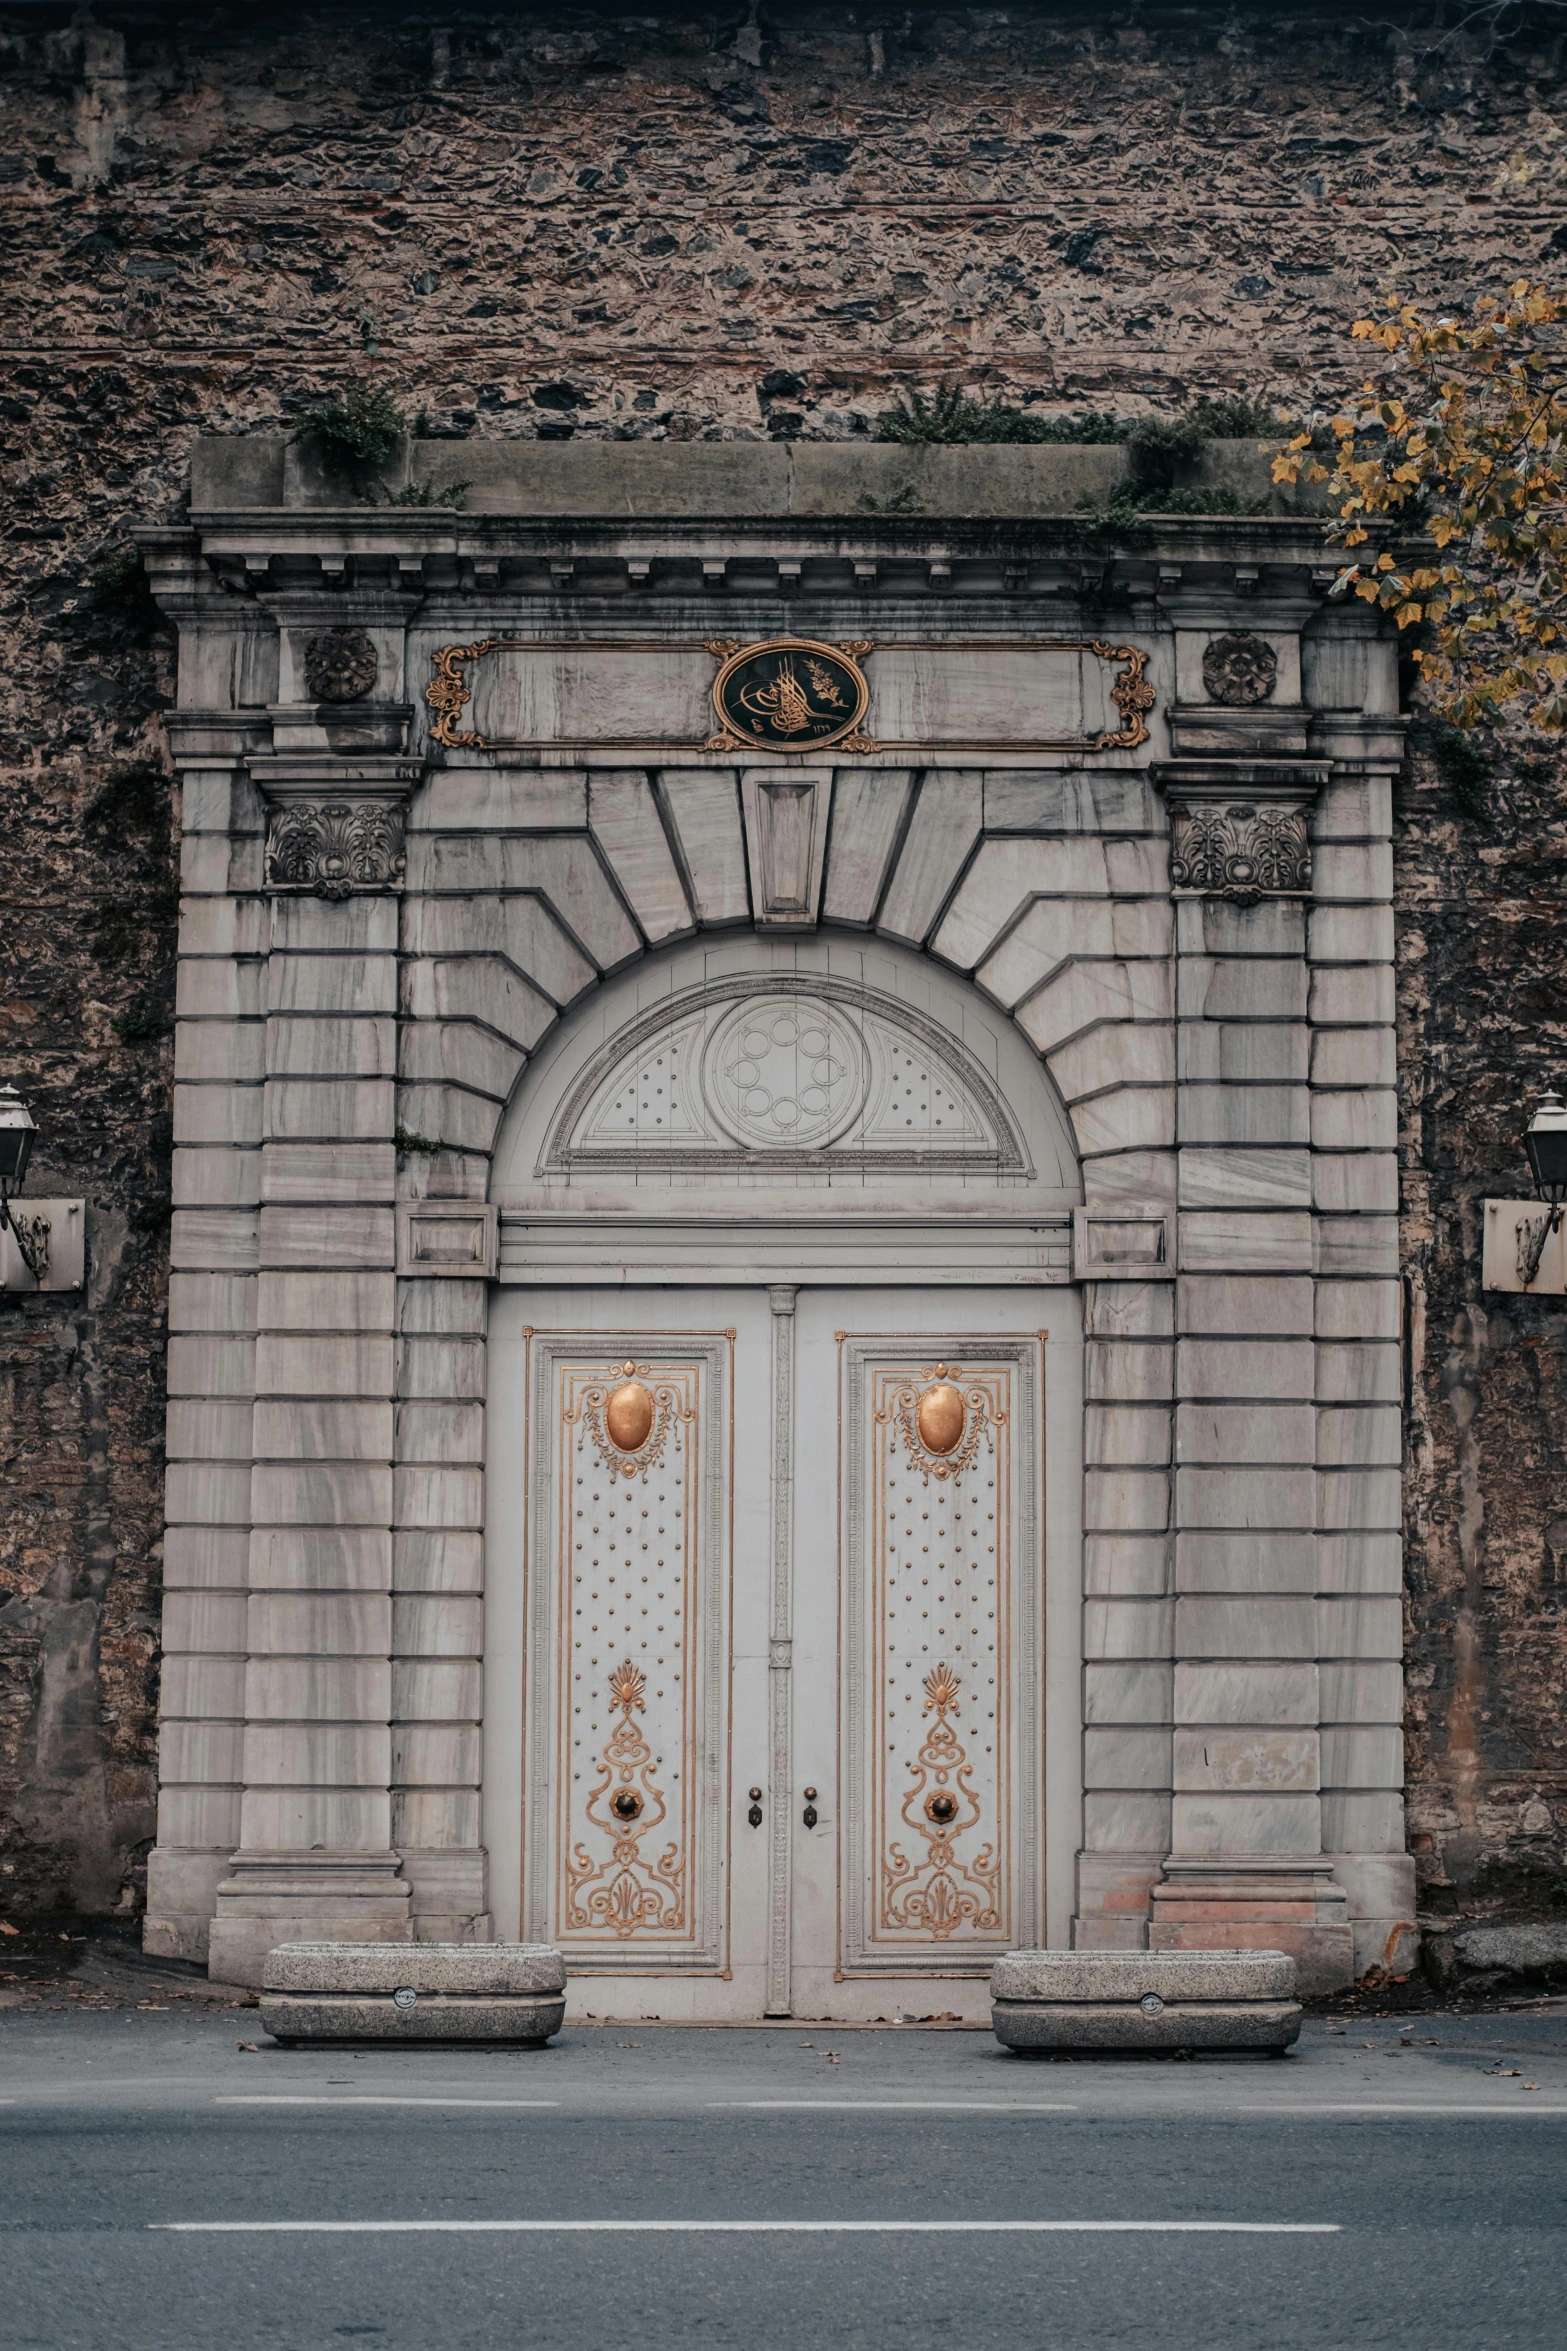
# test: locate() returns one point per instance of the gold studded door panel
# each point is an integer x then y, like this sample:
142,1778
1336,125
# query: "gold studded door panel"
942,1656
628,1572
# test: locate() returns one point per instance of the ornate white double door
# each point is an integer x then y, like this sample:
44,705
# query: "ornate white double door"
782,1631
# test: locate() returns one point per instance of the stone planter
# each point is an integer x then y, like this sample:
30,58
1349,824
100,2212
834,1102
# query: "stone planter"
1145,2000
413,1992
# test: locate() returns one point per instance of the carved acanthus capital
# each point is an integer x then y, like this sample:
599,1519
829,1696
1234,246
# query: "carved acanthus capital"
335,829
1240,829
335,847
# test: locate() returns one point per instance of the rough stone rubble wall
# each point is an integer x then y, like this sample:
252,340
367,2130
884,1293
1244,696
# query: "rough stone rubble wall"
556,223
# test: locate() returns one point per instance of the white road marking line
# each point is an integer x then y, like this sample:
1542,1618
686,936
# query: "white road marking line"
886,2106
297,2098
615,2228
1274,2114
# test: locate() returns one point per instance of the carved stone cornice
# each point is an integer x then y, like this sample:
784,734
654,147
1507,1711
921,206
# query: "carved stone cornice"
1265,729
205,738
1239,828
342,729
1358,739
335,826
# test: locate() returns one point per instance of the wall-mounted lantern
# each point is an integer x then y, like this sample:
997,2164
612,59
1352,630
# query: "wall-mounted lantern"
1546,1144
1524,1246
30,1233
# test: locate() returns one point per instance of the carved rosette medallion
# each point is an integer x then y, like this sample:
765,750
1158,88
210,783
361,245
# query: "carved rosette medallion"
938,1891
340,665
1240,849
1240,670
786,1070
335,847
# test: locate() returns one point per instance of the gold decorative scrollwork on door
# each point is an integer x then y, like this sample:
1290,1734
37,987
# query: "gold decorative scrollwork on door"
941,1423
627,1420
941,1600
628,1677
939,1892
631,1890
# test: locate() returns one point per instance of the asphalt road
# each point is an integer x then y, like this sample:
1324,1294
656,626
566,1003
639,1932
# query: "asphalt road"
1377,2195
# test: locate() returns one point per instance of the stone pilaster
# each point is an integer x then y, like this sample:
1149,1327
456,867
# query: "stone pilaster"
1359,1359
219,1061
1247,1864
315,1858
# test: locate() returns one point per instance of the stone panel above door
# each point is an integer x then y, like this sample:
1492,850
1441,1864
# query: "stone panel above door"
779,1069
793,1070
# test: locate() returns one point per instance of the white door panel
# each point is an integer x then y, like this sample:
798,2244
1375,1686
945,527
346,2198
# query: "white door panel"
919,1646
785,1555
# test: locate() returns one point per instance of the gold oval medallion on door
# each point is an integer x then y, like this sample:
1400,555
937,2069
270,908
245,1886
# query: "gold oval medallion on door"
628,1416
939,1417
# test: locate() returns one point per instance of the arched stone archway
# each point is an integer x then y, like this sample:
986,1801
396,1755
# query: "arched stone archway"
804,1183
1178,905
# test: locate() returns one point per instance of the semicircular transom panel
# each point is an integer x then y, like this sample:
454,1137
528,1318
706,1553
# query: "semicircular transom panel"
783,1069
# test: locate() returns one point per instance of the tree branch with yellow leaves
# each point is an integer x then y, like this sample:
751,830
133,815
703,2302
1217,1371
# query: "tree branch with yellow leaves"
1451,471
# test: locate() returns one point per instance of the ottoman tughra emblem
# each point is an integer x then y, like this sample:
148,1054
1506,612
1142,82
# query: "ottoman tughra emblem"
1240,670
790,694
340,665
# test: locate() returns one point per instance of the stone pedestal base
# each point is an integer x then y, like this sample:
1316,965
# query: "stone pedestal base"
274,1898
449,1902
1263,1905
182,1883
1112,1900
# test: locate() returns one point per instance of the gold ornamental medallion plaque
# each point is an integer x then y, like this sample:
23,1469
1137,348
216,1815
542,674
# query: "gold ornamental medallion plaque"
789,694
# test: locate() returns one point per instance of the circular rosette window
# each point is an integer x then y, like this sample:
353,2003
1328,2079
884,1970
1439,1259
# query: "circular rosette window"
790,695
785,1073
